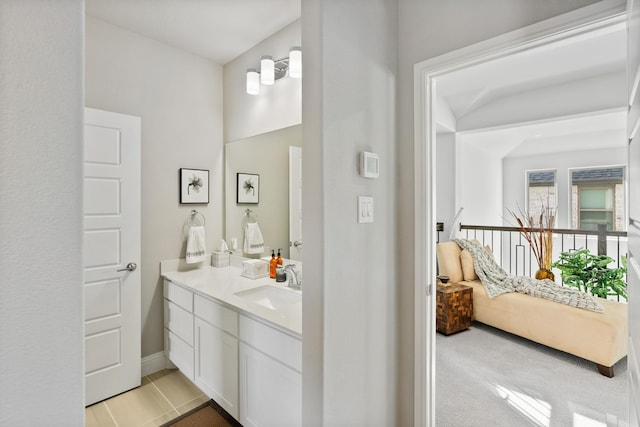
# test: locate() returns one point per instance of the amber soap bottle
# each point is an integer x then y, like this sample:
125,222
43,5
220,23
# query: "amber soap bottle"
273,263
279,259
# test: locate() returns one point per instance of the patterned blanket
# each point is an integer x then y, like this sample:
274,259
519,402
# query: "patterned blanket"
496,281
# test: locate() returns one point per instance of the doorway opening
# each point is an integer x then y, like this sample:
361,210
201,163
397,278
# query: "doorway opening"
460,121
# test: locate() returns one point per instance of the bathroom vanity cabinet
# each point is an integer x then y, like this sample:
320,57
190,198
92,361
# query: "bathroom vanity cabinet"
178,323
216,352
270,374
250,367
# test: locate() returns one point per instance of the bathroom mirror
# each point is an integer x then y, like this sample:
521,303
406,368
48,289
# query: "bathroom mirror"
267,156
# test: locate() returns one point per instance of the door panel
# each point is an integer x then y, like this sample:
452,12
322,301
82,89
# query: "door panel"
111,241
295,203
633,276
102,299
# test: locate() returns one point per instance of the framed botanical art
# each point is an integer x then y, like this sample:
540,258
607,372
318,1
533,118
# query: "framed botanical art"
248,188
194,186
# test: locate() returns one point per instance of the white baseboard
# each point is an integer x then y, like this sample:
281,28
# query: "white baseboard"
154,363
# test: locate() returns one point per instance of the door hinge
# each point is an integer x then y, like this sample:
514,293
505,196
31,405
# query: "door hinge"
429,289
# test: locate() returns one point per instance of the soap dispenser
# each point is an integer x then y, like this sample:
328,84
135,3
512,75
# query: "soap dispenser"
273,263
279,259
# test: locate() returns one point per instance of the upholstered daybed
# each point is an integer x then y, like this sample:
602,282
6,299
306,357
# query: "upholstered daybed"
600,337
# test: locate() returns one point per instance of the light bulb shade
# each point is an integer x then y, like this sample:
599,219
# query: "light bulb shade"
267,71
295,62
253,82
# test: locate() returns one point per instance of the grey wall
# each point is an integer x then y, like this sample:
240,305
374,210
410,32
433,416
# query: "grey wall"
179,98
350,308
41,318
427,29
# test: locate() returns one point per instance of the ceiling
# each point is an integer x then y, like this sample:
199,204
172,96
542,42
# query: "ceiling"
219,30
582,57
469,90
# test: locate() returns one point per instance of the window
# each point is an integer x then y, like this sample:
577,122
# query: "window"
541,194
598,198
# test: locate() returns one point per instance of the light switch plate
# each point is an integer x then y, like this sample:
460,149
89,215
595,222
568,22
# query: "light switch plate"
365,209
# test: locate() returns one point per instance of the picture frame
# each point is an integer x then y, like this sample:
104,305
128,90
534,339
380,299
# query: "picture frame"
248,188
194,186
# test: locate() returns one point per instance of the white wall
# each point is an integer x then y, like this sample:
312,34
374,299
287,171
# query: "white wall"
350,308
277,106
178,95
427,29
41,319
515,177
479,183
446,167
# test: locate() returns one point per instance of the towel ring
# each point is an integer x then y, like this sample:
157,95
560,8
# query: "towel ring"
194,214
250,216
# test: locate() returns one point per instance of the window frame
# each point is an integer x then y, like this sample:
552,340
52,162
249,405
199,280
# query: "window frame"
550,209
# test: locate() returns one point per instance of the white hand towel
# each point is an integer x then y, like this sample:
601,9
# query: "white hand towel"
196,250
253,241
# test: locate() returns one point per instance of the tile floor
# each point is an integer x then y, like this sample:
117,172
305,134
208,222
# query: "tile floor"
163,396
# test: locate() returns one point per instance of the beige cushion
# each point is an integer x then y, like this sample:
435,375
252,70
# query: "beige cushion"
448,254
466,259
599,337
468,271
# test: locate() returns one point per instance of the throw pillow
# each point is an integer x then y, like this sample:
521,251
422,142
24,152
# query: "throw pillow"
466,260
468,271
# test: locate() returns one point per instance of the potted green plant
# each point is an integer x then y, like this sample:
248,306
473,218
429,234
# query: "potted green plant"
590,273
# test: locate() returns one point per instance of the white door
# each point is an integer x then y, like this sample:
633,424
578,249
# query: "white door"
633,274
295,203
111,243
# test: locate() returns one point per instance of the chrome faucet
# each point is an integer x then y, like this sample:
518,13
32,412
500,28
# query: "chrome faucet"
292,276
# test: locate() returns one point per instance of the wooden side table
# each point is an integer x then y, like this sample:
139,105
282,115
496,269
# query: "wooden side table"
454,308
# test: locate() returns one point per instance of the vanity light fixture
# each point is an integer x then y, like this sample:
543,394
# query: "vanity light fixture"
253,81
272,70
295,62
267,70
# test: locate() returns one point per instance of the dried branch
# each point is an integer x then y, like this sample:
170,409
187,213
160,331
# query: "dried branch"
540,238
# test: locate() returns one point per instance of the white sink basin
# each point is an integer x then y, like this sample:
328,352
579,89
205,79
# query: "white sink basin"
271,297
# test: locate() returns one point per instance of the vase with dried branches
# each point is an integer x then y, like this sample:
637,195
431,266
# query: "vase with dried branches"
539,235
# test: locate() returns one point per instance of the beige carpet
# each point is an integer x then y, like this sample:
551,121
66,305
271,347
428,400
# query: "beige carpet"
488,377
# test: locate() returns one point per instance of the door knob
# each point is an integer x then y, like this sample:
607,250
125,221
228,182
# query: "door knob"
130,267
297,244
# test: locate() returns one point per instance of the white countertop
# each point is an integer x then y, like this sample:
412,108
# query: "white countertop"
221,284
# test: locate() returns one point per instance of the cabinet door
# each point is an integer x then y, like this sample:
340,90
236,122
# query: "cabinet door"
216,368
270,392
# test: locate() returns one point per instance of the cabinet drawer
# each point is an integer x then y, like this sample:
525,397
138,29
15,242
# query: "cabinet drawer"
180,353
280,346
178,295
216,314
179,321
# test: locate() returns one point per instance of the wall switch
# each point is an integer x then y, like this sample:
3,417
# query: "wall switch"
369,165
365,209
